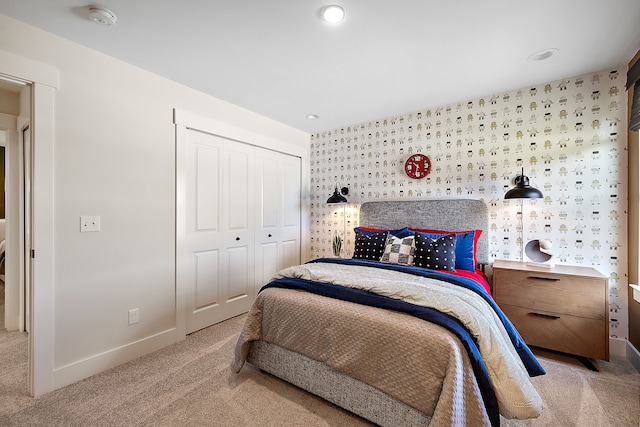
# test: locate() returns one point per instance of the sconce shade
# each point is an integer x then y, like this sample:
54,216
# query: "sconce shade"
337,197
523,190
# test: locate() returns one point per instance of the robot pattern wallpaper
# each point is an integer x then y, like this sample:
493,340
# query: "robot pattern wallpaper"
569,137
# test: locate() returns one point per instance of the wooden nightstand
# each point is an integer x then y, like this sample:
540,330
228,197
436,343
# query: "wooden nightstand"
564,308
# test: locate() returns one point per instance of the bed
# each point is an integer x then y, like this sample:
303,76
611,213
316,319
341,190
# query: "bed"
398,342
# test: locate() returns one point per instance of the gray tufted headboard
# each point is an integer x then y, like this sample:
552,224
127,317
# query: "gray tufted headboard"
436,214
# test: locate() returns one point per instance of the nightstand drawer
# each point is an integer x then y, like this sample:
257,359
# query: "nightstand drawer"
539,290
568,334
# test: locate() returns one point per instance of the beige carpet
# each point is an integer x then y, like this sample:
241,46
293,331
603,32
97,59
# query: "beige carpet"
191,384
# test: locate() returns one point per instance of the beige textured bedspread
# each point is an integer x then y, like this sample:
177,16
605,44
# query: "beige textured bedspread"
417,362
516,395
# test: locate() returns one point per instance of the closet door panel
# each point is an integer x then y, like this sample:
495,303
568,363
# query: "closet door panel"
291,192
207,189
291,188
268,208
291,252
207,284
237,199
216,253
240,281
266,262
278,216
200,250
238,191
291,207
269,192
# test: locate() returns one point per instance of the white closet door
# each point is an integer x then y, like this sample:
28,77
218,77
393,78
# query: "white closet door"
238,227
278,230
215,245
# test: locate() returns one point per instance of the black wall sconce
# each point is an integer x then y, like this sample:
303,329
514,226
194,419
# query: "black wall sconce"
522,189
337,197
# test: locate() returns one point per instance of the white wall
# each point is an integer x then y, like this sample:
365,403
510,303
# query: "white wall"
9,102
114,156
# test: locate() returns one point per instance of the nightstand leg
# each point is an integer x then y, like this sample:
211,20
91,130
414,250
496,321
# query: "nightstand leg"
588,363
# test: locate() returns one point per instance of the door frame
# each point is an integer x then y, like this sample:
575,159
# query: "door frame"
24,242
43,79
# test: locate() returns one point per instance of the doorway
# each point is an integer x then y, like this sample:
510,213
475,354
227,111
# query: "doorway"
14,223
15,158
42,80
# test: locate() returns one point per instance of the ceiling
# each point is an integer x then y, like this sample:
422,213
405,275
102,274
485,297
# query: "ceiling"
278,59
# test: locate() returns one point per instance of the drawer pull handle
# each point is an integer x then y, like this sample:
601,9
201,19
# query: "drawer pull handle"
553,279
548,316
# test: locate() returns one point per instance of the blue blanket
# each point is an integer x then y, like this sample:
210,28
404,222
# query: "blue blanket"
429,314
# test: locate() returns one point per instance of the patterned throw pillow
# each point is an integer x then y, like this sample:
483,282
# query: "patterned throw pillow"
435,254
369,246
399,250
466,246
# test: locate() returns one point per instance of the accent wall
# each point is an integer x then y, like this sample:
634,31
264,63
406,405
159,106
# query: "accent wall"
568,136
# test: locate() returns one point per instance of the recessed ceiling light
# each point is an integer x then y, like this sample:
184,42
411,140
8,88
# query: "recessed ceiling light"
541,55
102,15
313,116
333,14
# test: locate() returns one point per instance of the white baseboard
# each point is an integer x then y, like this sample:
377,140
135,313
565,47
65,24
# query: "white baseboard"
618,347
633,355
623,348
76,371
82,369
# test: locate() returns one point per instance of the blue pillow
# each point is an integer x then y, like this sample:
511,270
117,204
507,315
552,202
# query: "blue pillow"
465,248
435,253
400,234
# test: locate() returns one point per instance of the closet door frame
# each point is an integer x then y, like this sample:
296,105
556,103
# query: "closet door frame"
185,120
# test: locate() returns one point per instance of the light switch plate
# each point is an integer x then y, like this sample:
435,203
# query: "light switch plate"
89,223
134,316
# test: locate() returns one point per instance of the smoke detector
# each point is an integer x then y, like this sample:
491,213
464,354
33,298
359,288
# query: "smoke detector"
102,15
542,55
